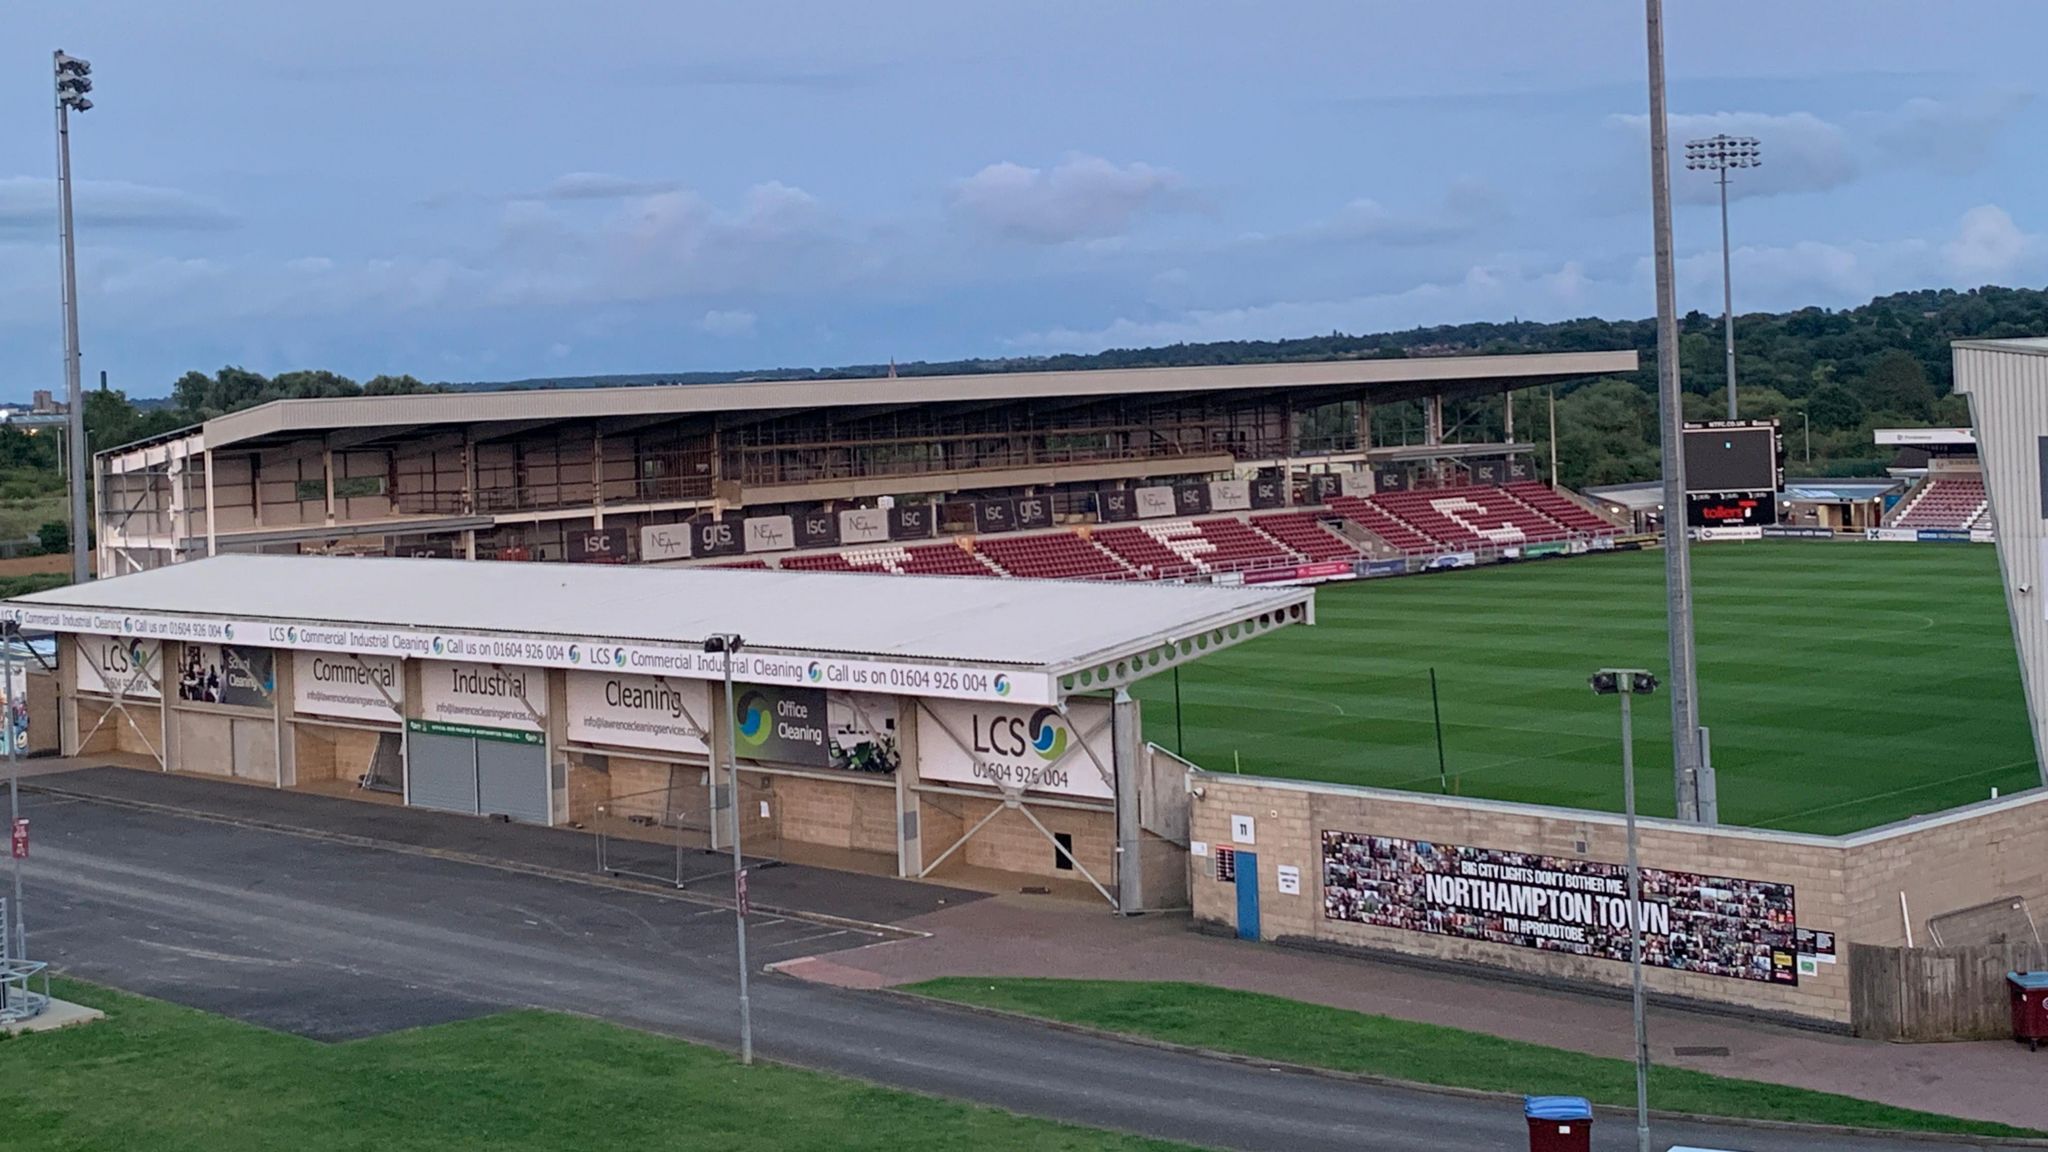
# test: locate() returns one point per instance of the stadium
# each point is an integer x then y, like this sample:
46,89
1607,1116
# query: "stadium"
1162,526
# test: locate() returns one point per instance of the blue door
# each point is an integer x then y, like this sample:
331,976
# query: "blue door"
1247,895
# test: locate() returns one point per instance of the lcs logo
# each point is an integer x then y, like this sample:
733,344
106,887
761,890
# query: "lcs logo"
1043,735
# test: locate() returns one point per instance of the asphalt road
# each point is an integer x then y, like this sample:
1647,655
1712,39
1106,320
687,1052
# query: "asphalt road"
334,940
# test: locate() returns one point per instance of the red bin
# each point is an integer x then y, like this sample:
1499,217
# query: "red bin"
1559,1123
2029,1006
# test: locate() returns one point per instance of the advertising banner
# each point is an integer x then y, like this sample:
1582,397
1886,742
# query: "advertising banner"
1385,567
716,538
664,542
910,522
349,687
1114,504
1943,535
1752,532
863,526
1731,509
862,732
897,677
1230,495
994,516
779,725
1691,922
1983,535
1324,485
1547,548
14,727
1034,512
1354,484
1452,560
1320,570
1391,480
227,674
817,530
1489,472
110,664
419,548
1267,492
1157,501
1191,499
483,695
597,546
770,533
1797,532
1892,535
1035,749
629,711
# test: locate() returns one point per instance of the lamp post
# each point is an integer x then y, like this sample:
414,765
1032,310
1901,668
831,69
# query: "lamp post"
15,947
1685,710
1718,154
73,81
726,644
1624,683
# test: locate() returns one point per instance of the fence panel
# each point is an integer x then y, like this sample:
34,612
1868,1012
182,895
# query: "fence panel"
1956,993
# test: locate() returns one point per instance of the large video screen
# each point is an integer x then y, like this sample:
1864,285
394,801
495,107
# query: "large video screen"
1731,457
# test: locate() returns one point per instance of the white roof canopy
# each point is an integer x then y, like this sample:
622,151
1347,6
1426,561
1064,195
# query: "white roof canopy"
1051,636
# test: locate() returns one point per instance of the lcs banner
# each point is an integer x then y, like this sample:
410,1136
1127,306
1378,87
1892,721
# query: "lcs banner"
1036,749
1690,922
111,664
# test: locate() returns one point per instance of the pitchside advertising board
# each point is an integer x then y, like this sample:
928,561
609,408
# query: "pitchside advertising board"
1712,925
120,665
1035,749
370,688
897,677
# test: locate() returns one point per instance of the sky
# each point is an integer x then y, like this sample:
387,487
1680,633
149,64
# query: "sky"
469,190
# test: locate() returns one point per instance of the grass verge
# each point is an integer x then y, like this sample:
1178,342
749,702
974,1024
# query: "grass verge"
171,1079
1273,1028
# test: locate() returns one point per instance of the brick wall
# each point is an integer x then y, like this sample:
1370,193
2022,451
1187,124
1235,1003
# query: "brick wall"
859,814
1289,820
321,752
1945,863
117,734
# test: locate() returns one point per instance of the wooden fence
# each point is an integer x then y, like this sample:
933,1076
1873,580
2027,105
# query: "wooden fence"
1936,993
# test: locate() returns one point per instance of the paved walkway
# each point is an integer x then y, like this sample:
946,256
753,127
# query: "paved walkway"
1009,936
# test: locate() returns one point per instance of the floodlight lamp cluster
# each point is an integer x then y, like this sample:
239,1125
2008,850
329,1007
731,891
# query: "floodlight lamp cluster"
729,642
1720,153
74,80
1612,682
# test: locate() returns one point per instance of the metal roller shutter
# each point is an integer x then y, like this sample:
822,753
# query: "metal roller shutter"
441,772
512,780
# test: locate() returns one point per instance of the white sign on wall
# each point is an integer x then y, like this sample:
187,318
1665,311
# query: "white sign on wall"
1289,877
110,664
770,533
1155,502
1243,830
664,542
1358,483
352,687
1000,745
491,696
1230,495
631,711
864,525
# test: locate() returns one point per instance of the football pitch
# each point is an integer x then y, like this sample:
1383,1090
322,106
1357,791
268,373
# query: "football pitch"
1846,684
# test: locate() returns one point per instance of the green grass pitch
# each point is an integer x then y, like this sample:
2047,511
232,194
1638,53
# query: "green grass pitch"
1846,684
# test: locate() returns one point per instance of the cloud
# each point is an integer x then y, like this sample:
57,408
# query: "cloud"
1986,246
602,186
1466,207
1081,198
1801,153
1482,291
735,323
1948,134
29,203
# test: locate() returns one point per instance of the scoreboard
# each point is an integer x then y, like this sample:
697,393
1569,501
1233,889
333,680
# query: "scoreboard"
1733,472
